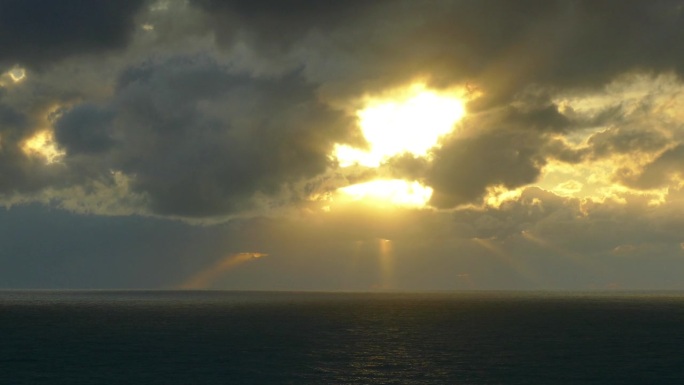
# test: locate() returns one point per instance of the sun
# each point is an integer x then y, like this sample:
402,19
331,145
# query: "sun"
411,121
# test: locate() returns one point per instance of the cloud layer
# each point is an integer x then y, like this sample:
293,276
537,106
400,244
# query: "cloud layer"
220,111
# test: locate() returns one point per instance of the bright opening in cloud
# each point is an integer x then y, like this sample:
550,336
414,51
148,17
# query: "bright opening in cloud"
43,145
408,121
12,76
411,122
17,74
394,191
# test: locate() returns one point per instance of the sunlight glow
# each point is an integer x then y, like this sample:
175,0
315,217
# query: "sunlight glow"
394,191
17,74
410,120
12,76
498,195
411,123
43,145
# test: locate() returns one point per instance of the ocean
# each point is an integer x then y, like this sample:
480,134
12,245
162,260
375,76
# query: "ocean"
215,337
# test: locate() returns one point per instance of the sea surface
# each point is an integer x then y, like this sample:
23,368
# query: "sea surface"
214,337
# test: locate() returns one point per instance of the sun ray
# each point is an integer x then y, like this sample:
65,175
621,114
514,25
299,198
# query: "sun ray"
506,258
204,278
386,259
575,258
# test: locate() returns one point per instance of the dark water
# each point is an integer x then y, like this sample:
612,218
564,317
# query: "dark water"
305,338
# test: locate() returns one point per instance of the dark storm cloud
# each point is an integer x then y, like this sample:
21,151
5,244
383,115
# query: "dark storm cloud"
621,137
23,175
544,118
657,173
277,26
617,140
502,45
464,168
507,147
85,129
201,141
35,33
359,46
9,118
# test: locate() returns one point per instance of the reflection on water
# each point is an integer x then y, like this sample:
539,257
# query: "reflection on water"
308,338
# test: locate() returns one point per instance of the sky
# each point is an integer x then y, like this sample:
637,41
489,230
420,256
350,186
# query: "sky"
344,146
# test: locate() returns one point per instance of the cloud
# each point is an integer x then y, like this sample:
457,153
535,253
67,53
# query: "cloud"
520,55
199,140
35,33
220,108
492,149
623,140
85,130
20,173
571,226
501,45
658,173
